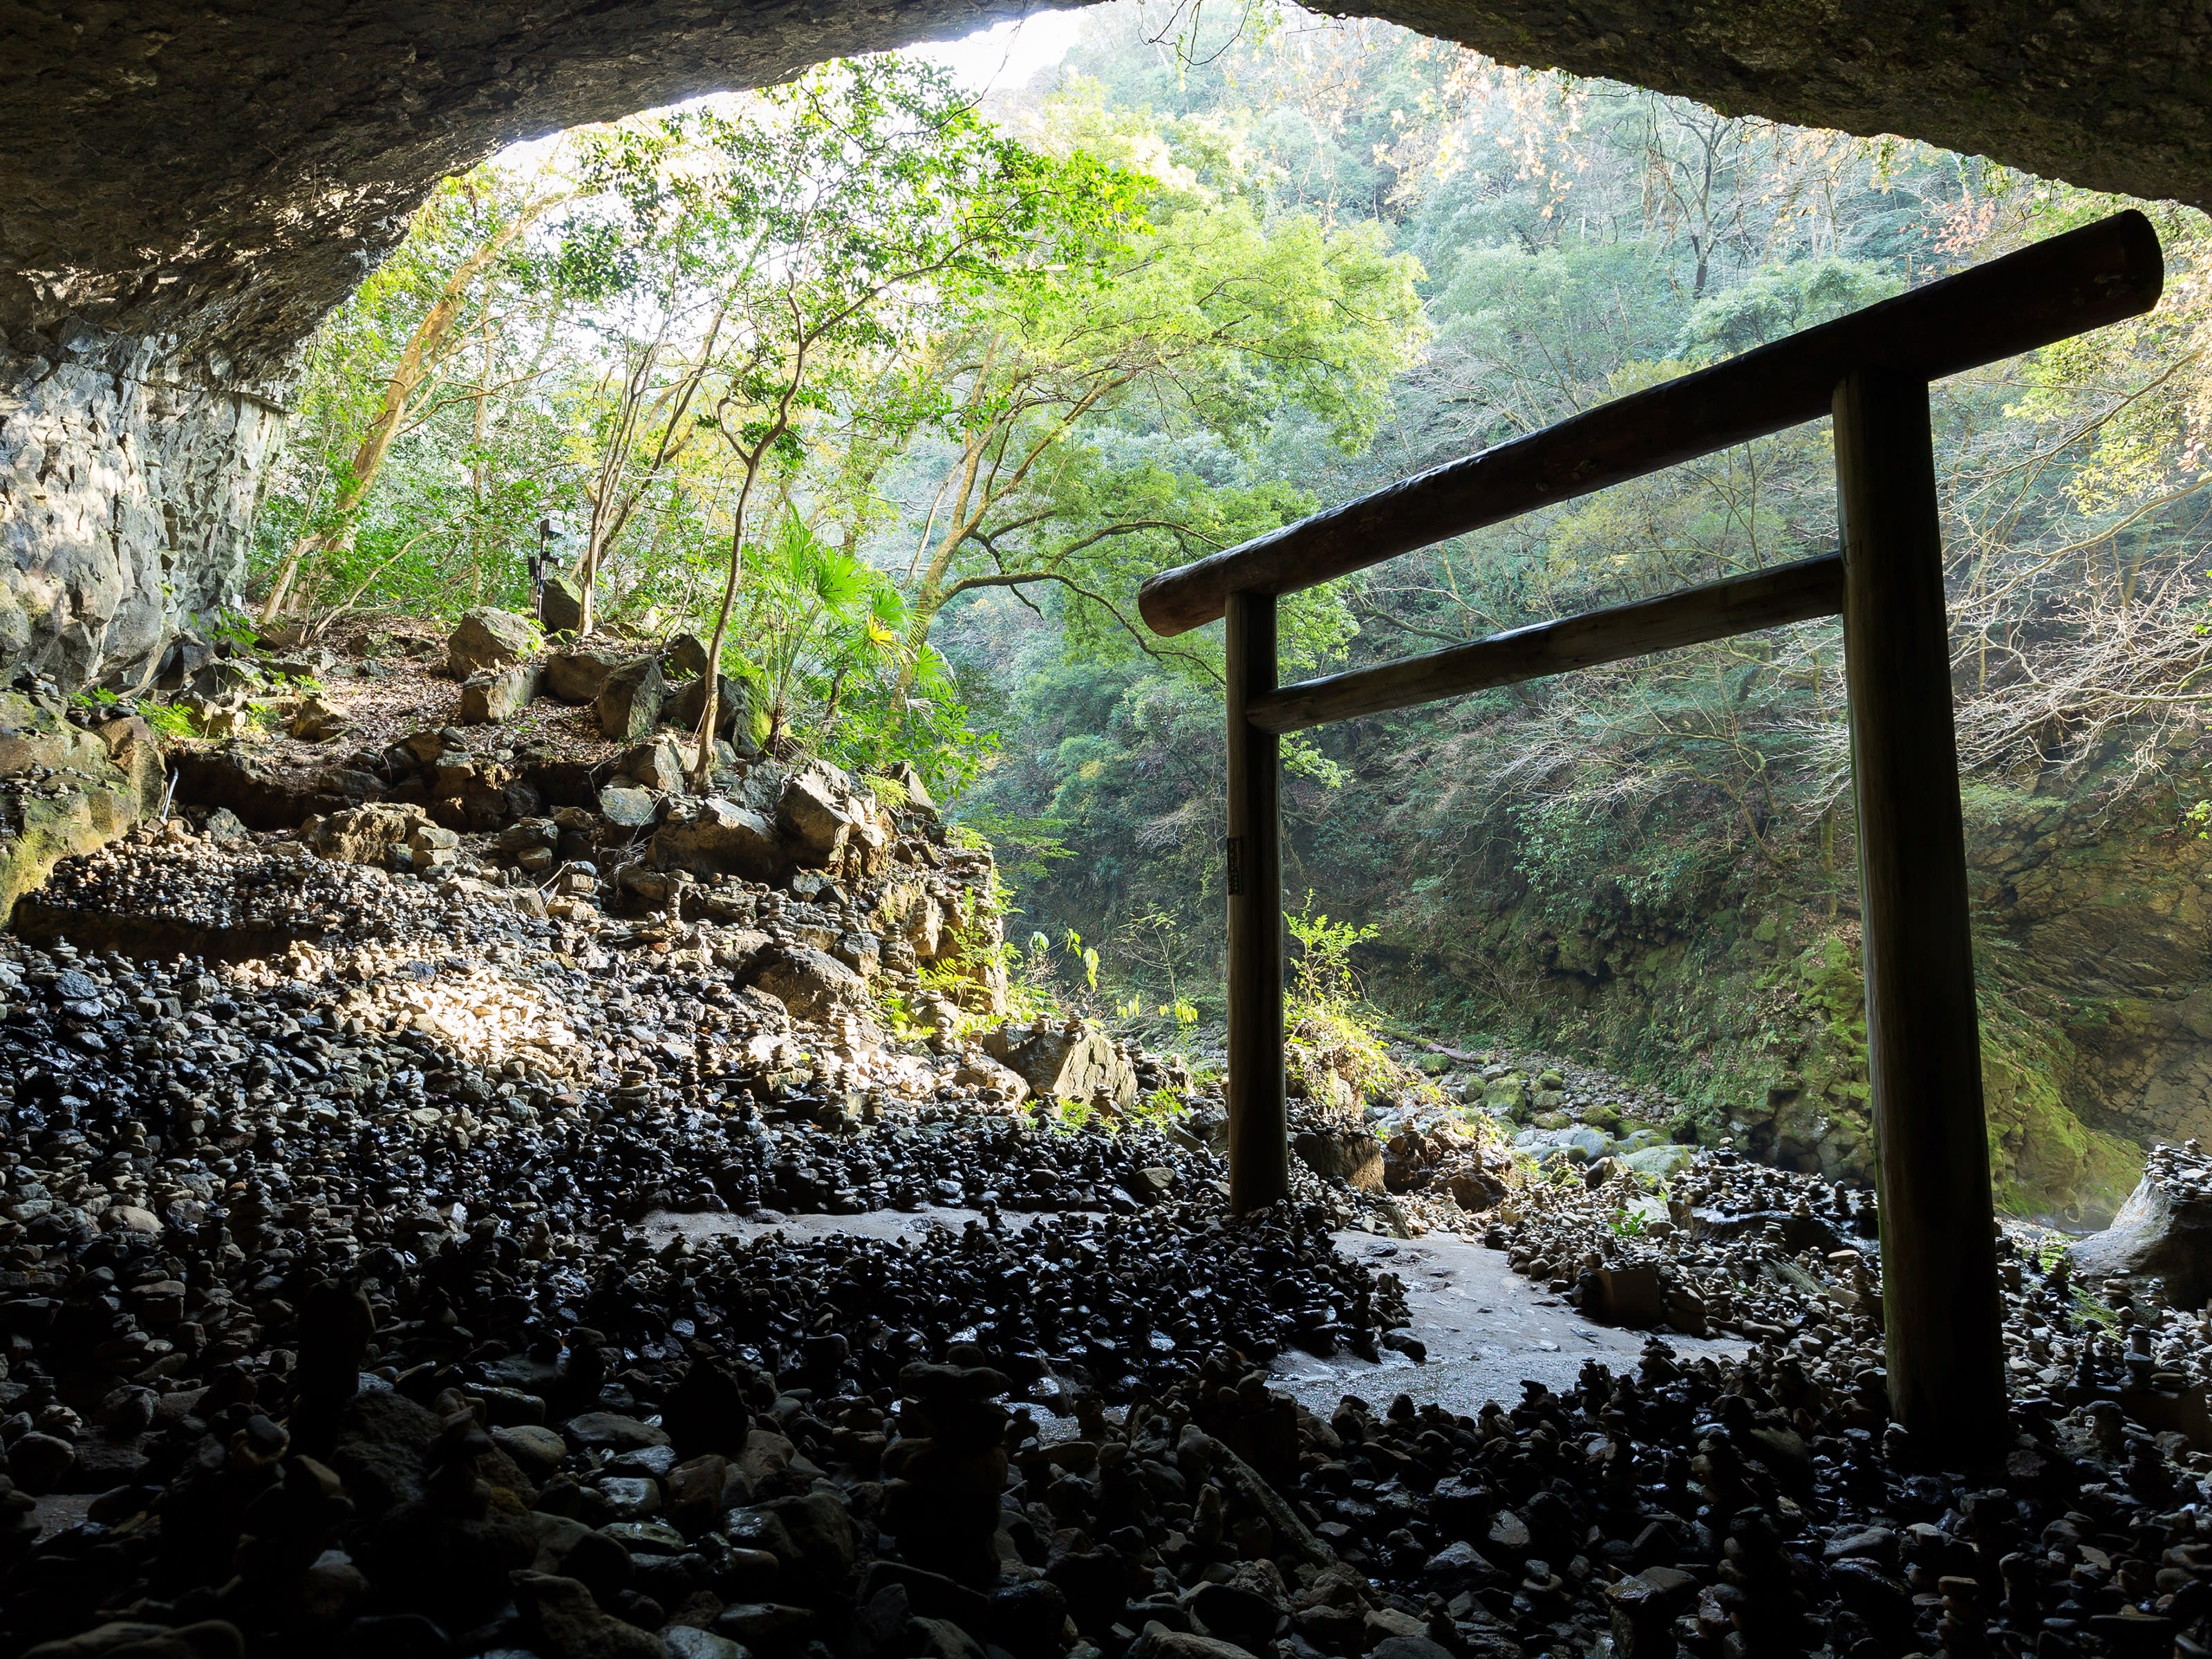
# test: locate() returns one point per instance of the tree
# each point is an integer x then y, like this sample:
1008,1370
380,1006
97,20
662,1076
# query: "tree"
850,209
469,226
1057,400
646,248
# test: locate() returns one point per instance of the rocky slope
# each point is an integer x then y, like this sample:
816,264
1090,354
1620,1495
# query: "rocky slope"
328,1323
328,1318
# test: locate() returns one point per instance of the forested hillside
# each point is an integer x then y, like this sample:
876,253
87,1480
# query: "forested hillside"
896,399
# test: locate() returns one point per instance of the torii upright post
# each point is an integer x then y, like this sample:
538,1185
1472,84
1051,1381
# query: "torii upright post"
1259,1124
1940,1302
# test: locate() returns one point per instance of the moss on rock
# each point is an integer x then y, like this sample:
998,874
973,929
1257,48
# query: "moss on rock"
61,793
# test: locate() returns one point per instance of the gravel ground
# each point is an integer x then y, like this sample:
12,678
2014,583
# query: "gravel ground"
388,1268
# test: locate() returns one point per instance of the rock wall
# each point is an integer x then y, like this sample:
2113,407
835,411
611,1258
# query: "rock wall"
2112,917
64,789
129,479
2093,944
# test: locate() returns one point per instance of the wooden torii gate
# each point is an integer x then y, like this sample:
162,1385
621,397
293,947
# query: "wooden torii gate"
1870,370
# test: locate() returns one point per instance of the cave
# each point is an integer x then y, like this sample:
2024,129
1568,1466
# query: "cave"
345,1240
190,191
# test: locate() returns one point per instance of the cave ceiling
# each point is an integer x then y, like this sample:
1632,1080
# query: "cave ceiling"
223,174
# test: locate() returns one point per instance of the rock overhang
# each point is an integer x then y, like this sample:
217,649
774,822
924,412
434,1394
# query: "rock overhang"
186,190
225,177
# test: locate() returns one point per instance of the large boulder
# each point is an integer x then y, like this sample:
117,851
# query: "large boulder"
136,752
683,657
317,719
497,695
627,806
1351,1156
560,607
813,986
825,821
656,763
577,675
733,712
488,638
364,834
1068,1063
718,837
629,701
2162,1231
90,789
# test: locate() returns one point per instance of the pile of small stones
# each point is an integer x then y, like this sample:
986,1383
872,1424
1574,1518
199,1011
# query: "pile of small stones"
342,1310
1739,1249
1734,1247
2092,1540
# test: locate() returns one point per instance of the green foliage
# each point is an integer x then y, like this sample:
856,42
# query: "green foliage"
1779,300
167,720
1332,1052
1601,862
1321,977
231,627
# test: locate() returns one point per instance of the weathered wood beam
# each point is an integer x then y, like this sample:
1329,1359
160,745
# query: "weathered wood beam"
1711,611
1940,1303
2082,280
1259,1119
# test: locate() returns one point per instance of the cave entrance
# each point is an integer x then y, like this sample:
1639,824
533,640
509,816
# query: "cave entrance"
1870,370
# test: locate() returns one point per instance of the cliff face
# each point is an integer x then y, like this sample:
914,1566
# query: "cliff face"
2093,948
2113,920
129,477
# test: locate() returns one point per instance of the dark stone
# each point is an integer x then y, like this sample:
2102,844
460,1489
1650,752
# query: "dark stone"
933,1596
822,1546
733,712
611,1431
707,1412
1183,1644
629,701
382,1450
1351,1156
37,1462
564,1622
568,1549
1408,1647
1096,1584
940,1639
560,607
1236,1614
1623,1295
